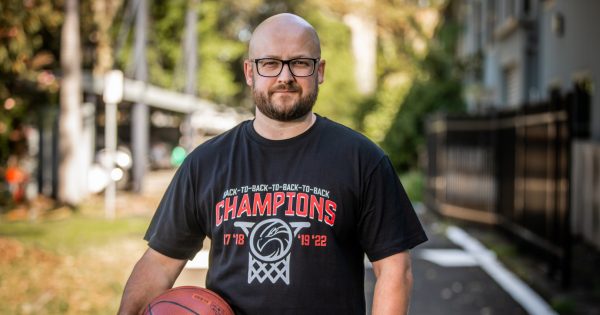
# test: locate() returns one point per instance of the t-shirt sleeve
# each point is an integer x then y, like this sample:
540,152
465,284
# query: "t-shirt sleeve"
175,230
388,223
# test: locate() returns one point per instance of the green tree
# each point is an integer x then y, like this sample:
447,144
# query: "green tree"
221,48
404,31
416,72
29,52
437,88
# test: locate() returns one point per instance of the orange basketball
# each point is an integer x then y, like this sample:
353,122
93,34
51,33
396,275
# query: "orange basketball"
188,300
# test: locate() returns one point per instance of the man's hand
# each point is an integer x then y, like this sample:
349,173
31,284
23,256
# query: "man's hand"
393,285
153,274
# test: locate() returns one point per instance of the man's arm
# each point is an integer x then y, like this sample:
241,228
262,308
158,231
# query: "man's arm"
393,284
153,274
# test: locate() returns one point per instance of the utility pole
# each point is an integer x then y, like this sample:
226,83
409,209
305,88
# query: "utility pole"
140,127
191,58
112,96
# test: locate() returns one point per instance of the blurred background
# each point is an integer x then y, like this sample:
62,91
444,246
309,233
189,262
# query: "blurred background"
487,108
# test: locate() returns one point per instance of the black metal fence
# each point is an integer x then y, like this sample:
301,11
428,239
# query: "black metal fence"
510,169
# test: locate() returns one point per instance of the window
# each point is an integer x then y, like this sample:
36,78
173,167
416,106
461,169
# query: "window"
510,86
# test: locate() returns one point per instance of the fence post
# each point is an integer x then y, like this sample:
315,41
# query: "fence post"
567,212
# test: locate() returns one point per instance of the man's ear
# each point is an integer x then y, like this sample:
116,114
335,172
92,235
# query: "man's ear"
248,72
321,71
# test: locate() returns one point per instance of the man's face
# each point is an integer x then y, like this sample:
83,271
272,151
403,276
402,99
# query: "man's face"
285,101
285,97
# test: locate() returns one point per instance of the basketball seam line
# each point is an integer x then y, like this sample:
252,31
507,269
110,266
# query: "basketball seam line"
178,304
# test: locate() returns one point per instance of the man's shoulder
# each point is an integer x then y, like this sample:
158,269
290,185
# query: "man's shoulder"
219,143
345,136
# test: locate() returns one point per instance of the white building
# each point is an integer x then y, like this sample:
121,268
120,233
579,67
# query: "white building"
519,50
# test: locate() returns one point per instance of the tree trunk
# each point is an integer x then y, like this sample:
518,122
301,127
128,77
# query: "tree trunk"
140,118
71,175
363,26
190,49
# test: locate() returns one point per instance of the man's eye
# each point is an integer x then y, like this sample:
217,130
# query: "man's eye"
270,64
301,63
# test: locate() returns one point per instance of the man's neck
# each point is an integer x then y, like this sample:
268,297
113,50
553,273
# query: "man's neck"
280,130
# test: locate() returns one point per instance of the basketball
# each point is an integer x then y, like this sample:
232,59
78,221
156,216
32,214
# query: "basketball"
188,300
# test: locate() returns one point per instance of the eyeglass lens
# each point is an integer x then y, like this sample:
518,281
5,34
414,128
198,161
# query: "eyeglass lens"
300,67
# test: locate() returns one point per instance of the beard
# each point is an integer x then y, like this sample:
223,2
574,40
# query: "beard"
299,109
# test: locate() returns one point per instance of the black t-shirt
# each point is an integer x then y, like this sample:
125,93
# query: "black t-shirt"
289,220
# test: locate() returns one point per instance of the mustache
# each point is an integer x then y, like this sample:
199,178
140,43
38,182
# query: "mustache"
291,87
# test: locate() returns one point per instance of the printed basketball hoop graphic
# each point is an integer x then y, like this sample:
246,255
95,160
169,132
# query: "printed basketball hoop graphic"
270,246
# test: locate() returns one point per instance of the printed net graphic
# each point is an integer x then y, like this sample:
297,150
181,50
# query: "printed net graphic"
269,270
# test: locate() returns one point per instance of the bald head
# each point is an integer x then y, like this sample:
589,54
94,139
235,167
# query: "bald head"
282,28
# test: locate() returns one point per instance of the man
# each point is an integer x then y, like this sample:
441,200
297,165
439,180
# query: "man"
291,201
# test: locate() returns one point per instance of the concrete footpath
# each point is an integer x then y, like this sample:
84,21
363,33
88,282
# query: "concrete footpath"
455,274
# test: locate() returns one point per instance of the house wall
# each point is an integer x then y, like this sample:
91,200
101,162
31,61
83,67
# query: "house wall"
507,55
500,35
532,51
576,54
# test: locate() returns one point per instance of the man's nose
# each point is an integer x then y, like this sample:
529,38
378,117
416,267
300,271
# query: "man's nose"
286,74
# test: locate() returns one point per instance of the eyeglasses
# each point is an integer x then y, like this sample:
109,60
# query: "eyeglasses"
300,67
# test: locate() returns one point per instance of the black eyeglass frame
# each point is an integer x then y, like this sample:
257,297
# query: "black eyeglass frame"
286,62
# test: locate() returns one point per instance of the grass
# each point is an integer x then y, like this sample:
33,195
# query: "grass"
75,233
75,263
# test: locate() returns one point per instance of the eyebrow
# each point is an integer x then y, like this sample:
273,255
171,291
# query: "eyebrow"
292,57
